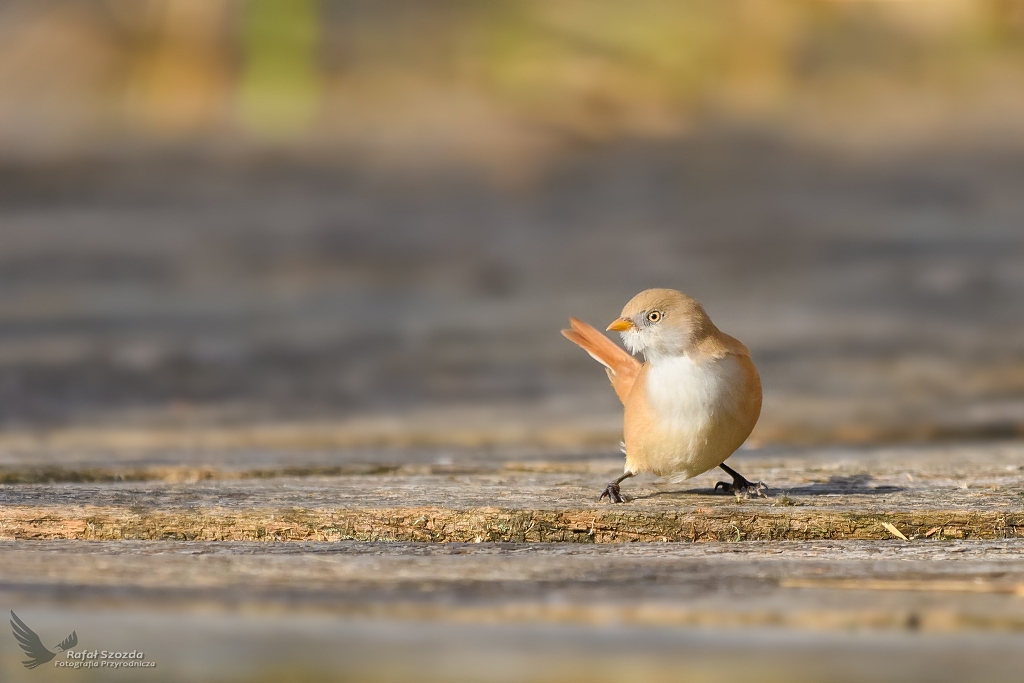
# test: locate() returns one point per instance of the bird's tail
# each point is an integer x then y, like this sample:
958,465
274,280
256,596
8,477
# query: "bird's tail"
622,368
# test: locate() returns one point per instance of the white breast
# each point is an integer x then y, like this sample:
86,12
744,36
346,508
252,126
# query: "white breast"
690,398
687,394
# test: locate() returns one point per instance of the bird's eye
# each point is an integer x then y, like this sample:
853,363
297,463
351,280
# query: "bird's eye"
654,316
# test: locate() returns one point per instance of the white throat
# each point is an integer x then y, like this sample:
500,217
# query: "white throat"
654,344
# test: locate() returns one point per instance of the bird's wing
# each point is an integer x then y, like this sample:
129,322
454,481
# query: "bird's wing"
622,368
30,643
69,642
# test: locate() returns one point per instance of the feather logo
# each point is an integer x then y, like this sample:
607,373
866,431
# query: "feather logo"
33,646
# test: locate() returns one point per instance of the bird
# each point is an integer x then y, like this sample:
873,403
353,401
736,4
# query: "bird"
33,646
693,400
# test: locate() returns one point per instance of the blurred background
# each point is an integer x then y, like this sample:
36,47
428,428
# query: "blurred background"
377,216
306,225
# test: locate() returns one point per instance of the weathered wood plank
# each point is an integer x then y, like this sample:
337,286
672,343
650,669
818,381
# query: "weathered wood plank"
934,587
968,493
441,525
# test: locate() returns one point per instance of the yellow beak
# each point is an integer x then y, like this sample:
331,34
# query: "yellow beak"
620,325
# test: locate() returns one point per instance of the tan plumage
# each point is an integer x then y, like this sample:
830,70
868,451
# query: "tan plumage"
692,402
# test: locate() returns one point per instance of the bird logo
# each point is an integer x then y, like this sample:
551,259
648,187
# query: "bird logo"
33,646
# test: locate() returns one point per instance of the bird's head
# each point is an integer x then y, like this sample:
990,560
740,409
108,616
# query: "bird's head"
662,322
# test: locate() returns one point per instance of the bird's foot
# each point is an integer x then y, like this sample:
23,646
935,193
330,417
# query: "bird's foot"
742,487
612,493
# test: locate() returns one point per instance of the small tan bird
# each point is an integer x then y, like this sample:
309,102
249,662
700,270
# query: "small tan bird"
693,401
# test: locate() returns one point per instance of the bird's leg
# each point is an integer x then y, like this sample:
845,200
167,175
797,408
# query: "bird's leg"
740,484
612,490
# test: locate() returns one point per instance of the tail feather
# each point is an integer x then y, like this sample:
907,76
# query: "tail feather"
622,368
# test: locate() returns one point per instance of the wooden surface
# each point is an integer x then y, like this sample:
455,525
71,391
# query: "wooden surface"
402,563
969,492
936,587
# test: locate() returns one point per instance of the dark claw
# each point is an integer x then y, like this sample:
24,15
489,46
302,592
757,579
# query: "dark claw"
741,486
612,492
